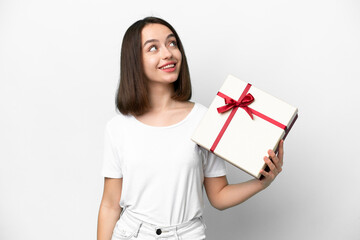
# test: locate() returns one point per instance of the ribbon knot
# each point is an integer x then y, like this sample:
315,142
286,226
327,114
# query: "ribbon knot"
242,103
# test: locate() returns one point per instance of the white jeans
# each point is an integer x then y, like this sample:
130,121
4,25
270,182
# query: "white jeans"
128,227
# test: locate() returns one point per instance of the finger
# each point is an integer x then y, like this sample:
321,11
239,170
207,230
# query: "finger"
271,165
267,175
272,154
275,159
281,152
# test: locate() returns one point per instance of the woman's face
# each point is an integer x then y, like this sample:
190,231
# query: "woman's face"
160,54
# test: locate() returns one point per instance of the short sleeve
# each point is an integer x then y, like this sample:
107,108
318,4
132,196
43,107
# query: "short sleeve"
111,159
214,166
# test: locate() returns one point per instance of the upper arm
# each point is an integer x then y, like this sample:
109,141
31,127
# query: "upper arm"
213,185
112,192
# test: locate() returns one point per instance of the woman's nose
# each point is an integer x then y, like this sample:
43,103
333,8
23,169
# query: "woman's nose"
166,53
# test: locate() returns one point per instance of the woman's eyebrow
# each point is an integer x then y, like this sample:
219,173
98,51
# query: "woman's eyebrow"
155,40
170,35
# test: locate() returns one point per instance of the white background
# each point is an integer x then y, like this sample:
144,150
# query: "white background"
59,69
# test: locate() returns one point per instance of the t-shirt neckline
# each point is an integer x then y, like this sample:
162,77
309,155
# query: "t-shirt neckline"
169,126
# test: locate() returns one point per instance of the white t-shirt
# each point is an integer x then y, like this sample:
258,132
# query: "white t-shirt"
162,168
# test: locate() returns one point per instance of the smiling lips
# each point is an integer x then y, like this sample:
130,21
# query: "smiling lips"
169,67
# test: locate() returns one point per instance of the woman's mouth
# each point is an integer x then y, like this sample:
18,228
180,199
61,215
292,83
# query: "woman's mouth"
168,67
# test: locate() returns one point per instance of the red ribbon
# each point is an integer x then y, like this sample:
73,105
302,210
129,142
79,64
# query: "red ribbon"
231,103
244,101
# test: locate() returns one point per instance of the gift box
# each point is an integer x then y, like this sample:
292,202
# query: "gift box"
243,123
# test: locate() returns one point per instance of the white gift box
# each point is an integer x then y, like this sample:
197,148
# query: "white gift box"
245,140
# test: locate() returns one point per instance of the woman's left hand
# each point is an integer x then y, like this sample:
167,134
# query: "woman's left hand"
275,165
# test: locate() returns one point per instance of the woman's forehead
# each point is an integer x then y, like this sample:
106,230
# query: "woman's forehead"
155,31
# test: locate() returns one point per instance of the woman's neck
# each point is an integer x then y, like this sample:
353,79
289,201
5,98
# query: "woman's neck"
160,97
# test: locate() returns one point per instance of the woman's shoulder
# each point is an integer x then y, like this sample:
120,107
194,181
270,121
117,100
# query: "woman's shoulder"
195,107
200,107
198,111
119,120
190,105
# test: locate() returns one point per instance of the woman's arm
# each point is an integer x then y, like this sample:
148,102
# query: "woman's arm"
223,195
110,209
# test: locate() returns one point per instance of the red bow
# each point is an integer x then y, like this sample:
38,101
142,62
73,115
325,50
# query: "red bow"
231,103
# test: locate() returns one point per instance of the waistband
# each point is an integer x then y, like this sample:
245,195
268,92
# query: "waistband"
157,229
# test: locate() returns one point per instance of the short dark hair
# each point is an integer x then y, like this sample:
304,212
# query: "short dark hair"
132,93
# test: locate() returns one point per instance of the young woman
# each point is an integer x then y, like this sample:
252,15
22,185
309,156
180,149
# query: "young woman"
154,174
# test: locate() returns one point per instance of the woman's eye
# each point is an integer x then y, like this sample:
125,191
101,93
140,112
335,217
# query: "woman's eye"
152,48
173,44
